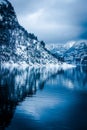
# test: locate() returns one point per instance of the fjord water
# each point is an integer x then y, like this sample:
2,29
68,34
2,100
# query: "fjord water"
43,99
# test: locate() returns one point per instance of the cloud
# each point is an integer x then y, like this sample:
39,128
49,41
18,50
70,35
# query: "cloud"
53,20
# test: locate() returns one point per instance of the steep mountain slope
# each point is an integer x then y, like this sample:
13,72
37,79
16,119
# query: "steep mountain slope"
16,44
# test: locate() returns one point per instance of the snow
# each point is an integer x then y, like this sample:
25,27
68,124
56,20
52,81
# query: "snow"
77,53
72,51
24,65
23,54
60,48
67,66
69,44
23,50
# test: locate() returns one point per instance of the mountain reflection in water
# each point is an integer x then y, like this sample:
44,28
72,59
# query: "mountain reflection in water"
61,105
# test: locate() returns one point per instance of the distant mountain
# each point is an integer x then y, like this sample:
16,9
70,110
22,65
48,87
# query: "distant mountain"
73,52
59,49
77,54
16,44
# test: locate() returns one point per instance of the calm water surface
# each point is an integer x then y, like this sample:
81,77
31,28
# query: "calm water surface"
43,99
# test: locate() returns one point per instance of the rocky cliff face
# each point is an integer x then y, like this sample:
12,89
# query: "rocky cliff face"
16,44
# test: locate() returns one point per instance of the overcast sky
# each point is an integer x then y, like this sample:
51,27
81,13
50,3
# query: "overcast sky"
53,21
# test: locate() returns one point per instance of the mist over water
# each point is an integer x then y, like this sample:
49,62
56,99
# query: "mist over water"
42,98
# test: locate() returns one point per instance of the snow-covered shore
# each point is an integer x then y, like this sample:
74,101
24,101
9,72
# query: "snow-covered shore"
63,66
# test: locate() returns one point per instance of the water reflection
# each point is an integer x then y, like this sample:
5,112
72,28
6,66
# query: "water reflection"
17,84
75,78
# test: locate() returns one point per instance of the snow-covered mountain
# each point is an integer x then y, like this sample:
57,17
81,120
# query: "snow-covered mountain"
16,44
74,52
77,54
60,49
